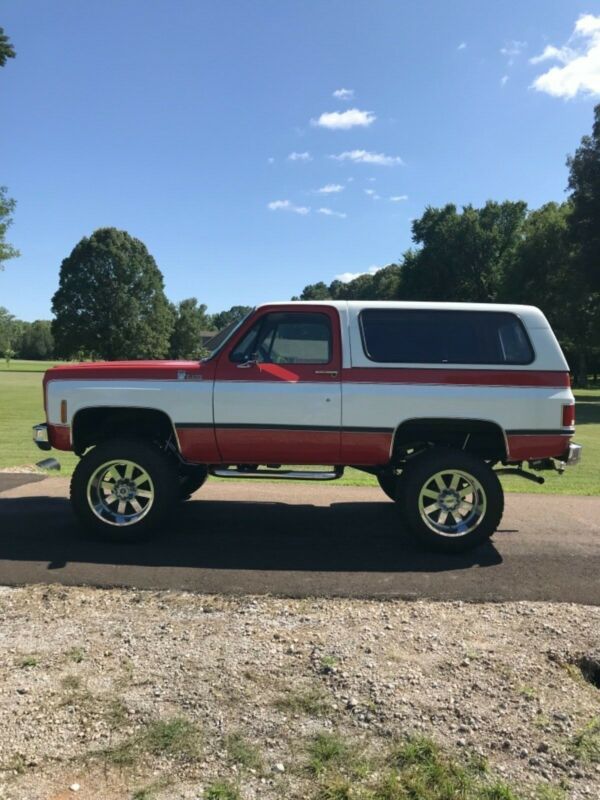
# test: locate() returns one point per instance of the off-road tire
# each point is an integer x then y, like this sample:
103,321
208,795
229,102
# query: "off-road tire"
389,484
191,478
163,488
419,477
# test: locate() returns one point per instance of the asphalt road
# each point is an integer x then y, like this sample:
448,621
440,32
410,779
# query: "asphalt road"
304,540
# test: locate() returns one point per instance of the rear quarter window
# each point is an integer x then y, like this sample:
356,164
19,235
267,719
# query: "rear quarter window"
411,336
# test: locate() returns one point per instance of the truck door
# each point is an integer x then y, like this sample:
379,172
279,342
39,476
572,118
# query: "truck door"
277,392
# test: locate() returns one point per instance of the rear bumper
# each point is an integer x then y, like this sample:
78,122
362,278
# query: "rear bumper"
40,436
573,454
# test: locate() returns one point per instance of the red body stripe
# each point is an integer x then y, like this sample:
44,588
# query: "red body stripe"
199,445
282,446
522,447
366,448
168,370
458,377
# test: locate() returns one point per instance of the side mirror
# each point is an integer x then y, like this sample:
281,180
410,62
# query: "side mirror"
249,361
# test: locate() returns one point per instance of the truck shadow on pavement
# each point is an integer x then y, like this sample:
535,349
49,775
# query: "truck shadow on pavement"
233,535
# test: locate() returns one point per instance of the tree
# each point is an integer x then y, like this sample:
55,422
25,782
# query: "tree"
7,206
225,318
8,332
584,185
6,48
190,321
36,341
544,273
111,301
463,255
315,291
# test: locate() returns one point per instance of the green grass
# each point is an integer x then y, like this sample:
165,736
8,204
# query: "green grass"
327,750
222,790
18,365
414,769
241,751
586,743
29,661
176,738
21,407
312,703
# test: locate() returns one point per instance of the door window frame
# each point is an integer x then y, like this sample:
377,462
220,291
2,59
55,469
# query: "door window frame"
231,368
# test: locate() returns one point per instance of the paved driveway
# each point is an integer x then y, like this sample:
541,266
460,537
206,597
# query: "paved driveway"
305,540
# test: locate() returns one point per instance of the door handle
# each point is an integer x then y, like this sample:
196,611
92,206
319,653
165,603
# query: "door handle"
332,372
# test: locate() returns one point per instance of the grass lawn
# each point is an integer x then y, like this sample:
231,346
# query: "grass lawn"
17,365
21,407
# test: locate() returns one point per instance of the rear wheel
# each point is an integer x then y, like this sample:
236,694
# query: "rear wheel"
122,490
389,482
452,500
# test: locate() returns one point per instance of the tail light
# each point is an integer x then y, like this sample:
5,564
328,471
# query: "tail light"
568,416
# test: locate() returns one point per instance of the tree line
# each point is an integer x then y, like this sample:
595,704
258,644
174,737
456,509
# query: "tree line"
187,330
506,253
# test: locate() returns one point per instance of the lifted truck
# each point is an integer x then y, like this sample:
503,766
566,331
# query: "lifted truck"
434,399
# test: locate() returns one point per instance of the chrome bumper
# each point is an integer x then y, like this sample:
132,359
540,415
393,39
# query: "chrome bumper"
40,437
573,454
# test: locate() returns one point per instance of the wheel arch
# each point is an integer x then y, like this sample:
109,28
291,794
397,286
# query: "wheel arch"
481,437
94,424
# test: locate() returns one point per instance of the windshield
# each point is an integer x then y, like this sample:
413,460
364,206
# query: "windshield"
222,337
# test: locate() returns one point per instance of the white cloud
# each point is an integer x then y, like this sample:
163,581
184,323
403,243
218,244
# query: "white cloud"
344,94
550,53
398,198
299,157
504,80
346,277
343,120
512,50
329,212
462,46
580,59
372,193
286,205
330,188
365,157
271,160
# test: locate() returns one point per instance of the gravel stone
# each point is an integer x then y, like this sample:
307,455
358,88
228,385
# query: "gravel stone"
85,670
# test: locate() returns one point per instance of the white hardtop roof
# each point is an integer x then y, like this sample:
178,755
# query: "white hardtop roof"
531,315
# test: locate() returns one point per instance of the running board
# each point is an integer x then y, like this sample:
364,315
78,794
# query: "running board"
278,474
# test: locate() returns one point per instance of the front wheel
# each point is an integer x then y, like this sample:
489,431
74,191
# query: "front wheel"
191,478
122,490
452,500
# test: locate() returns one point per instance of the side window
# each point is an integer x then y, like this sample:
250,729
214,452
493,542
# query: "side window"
411,336
287,338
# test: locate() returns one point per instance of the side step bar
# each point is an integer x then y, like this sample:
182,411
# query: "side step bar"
278,474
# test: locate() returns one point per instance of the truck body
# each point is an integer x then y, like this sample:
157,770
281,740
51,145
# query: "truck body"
372,385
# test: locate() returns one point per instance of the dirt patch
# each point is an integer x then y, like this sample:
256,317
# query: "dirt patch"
128,694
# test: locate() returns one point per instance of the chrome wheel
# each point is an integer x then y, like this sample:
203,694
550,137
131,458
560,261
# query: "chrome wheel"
120,493
452,503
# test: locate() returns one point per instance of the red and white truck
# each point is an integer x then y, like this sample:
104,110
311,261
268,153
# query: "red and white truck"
434,399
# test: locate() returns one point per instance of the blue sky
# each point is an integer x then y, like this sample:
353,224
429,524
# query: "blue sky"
176,119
